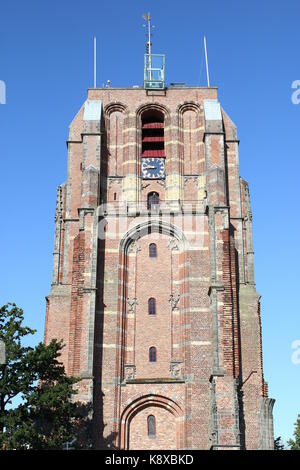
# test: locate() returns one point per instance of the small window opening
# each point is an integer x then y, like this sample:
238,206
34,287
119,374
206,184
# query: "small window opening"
152,354
151,426
152,306
153,200
152,250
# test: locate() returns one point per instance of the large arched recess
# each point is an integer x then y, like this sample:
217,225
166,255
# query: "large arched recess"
116,117
133,234
151,401
190,125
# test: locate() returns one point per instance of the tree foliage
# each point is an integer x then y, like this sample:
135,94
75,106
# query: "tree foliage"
294,444
47,416
278,444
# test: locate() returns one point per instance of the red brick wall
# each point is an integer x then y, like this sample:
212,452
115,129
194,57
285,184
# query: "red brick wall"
152,280
208,264
165,437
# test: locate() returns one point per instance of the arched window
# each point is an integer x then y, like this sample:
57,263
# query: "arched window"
152,306
152,354
152,250
153,200
151,426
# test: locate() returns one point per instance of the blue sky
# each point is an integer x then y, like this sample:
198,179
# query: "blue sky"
46,61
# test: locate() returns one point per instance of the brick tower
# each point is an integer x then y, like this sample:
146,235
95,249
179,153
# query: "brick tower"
153,288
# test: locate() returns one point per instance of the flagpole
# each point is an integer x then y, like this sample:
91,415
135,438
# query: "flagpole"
95,70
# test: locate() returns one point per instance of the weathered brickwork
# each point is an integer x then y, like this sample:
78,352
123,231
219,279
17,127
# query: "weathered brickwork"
204,387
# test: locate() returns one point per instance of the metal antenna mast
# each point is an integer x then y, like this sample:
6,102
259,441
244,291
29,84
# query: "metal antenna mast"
95,63
207,71
147,17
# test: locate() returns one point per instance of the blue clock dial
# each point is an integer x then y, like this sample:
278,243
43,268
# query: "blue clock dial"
153,168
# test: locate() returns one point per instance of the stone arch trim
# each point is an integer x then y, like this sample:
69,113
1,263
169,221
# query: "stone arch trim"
145,401
138,396
139,230
113,107
155,106
189,106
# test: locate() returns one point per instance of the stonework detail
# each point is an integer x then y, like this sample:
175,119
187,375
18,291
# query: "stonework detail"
131,305
174,301
175,369
134,247
129,372
173,244
153,290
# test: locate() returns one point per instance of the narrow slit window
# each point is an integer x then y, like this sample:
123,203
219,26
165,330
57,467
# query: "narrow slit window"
152,354
151,425
152,306
152,250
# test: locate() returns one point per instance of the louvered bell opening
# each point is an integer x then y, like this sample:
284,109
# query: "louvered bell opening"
153,140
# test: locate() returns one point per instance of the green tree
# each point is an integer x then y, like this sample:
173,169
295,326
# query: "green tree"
294,444
278,444
47,416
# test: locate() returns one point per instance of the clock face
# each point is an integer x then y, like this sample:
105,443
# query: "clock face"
153,168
